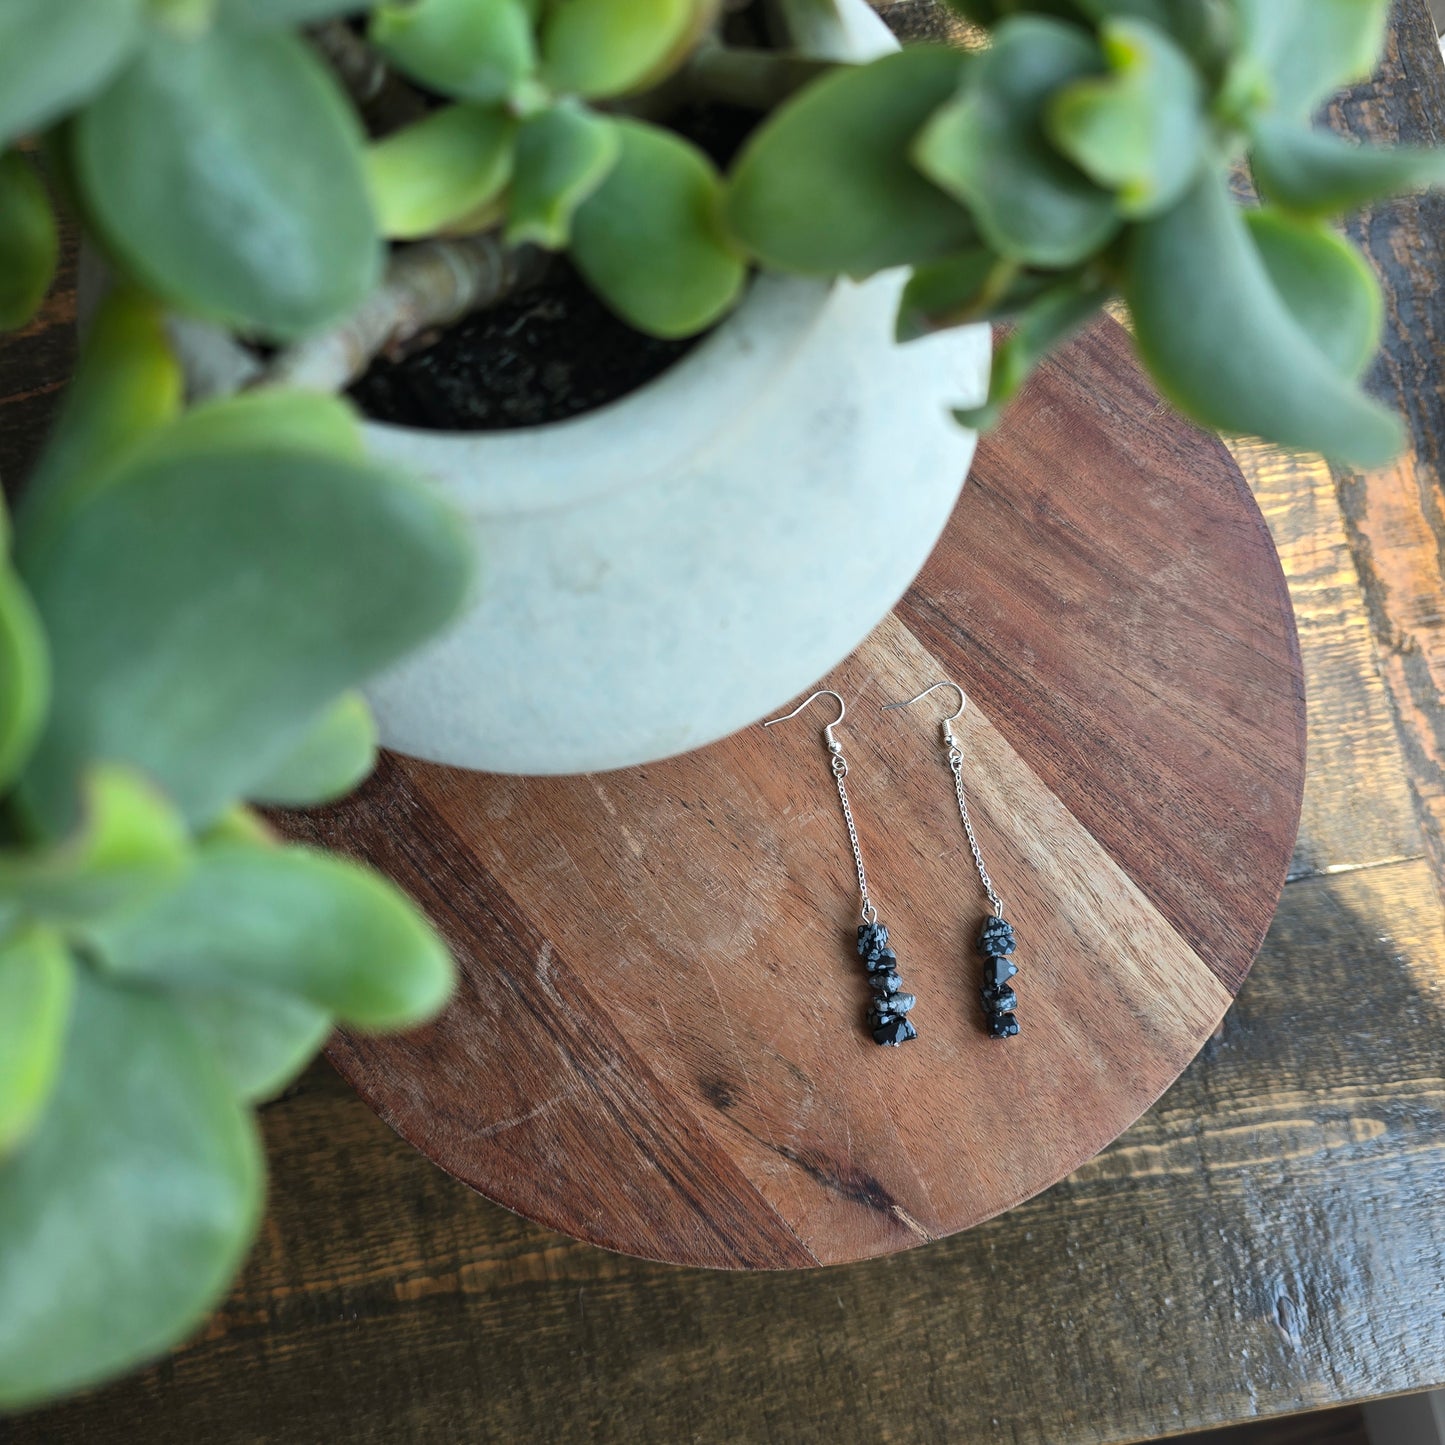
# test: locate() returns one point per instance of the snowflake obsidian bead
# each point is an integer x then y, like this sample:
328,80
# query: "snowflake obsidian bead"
872,940
893,1031
995,943
885,961
887,1019
998,1000
998,971
997,938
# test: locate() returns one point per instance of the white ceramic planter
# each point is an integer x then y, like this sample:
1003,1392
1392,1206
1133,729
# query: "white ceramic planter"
663,571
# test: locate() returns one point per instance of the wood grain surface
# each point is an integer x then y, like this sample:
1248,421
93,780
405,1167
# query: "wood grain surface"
1268,1239
658,1044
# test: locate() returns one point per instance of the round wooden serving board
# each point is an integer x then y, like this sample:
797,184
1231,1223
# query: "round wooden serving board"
657,1044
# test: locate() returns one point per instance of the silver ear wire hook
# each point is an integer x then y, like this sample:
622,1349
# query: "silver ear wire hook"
839,766
834,746
955,763
951,718
888,1019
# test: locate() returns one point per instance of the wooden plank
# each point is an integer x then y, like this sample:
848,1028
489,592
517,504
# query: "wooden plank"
1267,1239
1358,808
1395,516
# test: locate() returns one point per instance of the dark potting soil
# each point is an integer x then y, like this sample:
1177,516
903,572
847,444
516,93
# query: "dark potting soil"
546,354
549,353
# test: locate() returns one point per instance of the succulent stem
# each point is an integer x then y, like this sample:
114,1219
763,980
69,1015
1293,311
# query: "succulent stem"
427,285
753,79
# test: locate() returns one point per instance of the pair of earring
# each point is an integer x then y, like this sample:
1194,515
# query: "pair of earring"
888,1015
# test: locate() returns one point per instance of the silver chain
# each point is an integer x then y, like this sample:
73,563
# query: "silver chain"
955,764
839,765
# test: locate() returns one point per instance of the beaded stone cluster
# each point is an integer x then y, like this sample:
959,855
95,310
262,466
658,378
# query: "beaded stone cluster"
996,942
888,1013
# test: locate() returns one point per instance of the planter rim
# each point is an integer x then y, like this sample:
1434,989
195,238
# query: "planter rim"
649,434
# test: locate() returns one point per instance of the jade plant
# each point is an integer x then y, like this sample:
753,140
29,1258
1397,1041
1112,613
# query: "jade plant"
205,564
186,604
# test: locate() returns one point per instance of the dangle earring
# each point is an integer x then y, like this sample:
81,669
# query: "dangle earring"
888,1018
996,940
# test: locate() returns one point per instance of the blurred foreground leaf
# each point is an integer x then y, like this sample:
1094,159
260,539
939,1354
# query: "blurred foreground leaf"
650,240
56,53
29,241
989,148
226,171
334,754
457,47
130,843
37,979
207,605
290,920
1224,345
825,184
1318,174
131,1204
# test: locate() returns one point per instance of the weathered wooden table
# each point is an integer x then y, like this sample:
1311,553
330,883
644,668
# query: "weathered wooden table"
1270,1237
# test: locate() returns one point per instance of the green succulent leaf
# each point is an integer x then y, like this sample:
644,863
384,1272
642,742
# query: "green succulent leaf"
55,54
240,824
598,48
24,674
1045,323
825,185
334,755
310,924
29,241
37,981
1326,284
440,168
650,241
260,1038
286,13
973,285
1224,345
988,147
129,1207
949,291
1140,131
227,172
186,18
1303,50
267,418
563,155
130,844
1204,29
1315,173
204,607
127,386
478,52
